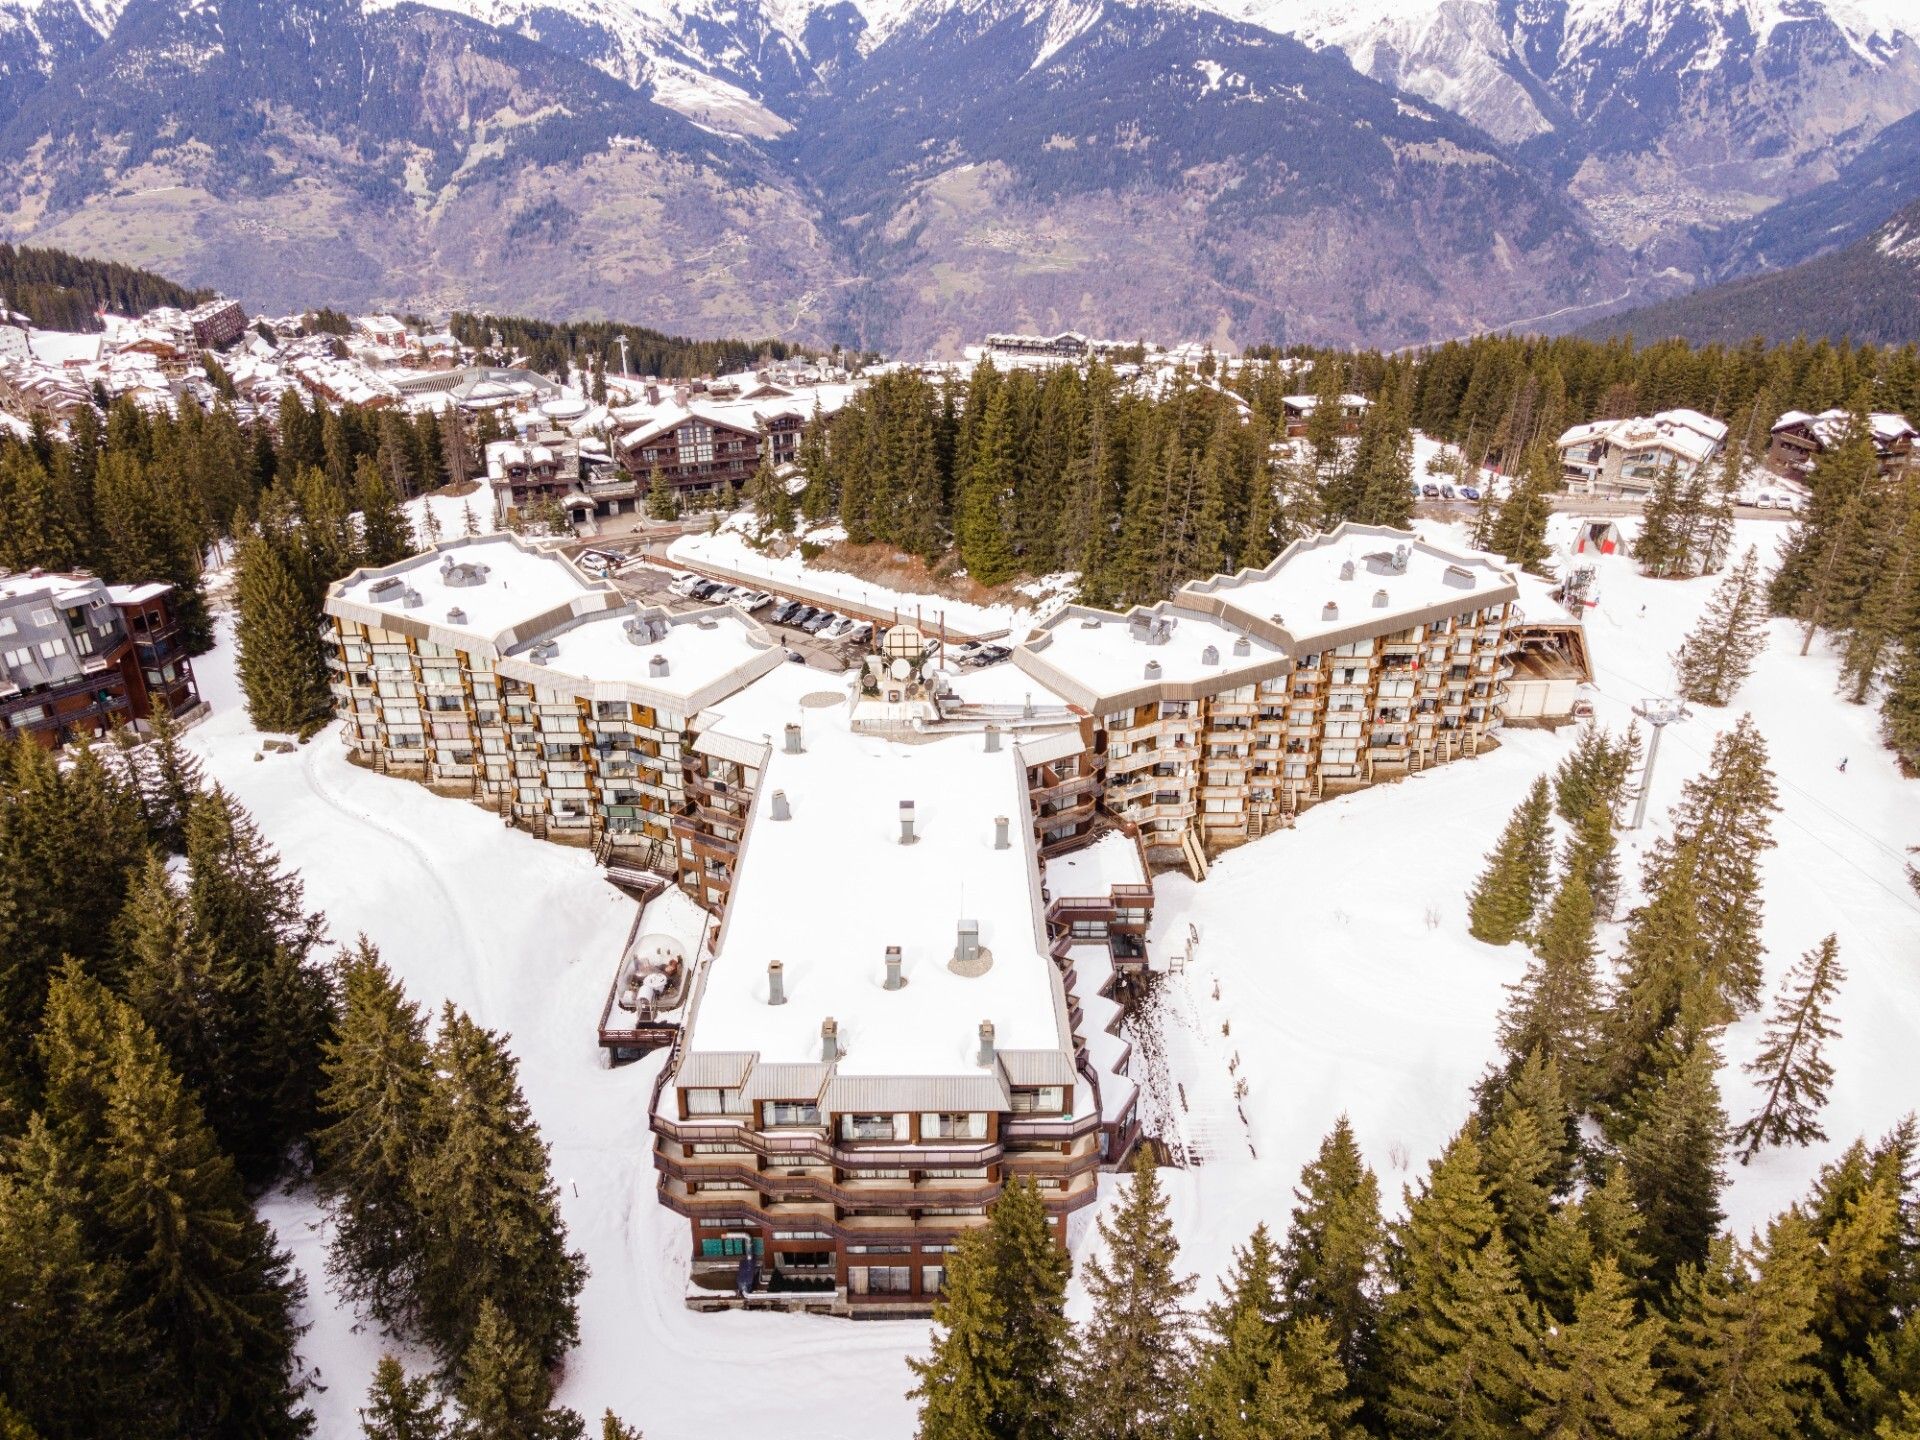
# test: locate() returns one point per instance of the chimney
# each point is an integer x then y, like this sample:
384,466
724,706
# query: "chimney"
1379,599
656,667
793,740
1210,656
1152,671
1000,840
1346,569
1243,646
781,810
907,837
986,1043
456,616
776,983
895,980
830,1040
1330,611
993,739
967,946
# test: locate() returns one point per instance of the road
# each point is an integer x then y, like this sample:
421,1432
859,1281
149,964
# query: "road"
1578,505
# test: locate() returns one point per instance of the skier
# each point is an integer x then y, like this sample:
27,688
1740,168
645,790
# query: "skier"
1843,764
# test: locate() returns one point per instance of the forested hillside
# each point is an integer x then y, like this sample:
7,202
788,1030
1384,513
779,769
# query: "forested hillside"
59,291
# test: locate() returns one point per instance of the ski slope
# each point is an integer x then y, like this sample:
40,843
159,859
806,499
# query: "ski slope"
1332,973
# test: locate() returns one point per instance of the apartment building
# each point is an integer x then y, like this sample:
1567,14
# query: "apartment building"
887,1030
1798,440
1627,457
490,669
78,656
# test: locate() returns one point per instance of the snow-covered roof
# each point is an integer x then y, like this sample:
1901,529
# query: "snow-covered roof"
137,594
1093,870
1685,433
1099,659
1305,403
62,589
1353,583
1829,427
676,663
486,592
826,891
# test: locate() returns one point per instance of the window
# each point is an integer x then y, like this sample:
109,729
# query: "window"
953,1127
50,649
83,642
42,617
20,656
7,625
933,1279
870,1127
715,1102
880,1279
790,1112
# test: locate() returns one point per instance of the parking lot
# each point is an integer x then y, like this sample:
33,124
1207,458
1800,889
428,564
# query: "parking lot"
820,637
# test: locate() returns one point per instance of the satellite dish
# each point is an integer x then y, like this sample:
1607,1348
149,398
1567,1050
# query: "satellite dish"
900,669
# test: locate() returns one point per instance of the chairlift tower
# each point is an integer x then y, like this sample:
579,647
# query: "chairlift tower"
1659,714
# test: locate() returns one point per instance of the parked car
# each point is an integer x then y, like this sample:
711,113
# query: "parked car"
750,600
1470,492
819,622
706,589
796,657
1446,492
1431,492
801,615
860,630
784,611
838,630
683,584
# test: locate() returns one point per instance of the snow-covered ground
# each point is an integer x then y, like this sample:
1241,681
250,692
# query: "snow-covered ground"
1332,960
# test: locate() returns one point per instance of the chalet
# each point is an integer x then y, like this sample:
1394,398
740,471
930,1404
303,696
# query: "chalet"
383,331
1800,439
28,388
693,450
1299,410
1627,457
78,657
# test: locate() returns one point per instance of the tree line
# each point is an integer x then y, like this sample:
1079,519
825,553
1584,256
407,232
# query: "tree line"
556,347
1559,1270
179,1040
56,290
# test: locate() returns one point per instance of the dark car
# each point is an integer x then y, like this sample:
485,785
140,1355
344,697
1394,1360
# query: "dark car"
801,615
707,589
1468,492
819,622
1432,492
783,612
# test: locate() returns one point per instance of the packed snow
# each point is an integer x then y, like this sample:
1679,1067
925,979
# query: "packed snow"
1321,970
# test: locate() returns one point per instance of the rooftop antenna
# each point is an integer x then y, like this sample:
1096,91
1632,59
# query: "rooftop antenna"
1659,714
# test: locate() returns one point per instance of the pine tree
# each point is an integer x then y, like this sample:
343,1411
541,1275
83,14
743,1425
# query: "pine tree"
210,1284
502,1389
177,780
1742,1337
1552,1012
1502,904
1522,1164
1304,1394
1900,705
280,656
1661,546
1230,1373
400,1408
1581,778
376,1102
1672,1156
612,1427
385,535
1332,1266
767,494
1129,1372
1461,1338
1001,1341
176,982
1596,1379
1717,656
1790,1064
663,502
493,1233
1600,1225
1519,526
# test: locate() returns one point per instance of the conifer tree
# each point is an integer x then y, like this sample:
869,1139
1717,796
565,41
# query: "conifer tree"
385,535
493,1233
612,1427
1461,1338
767,494
1552,1012
376,1104
1519,526
1521,1165
176,780
1001,1342
1718,654
1662,546
1332,1266
1790,1064
280,656
1600,1225
1229,1375
1900,705
1672,1157
502,1389
176,982
1130,1370
1304,1393
1251,1287
1596,1379
1581,778
401,1408
166,1203
1501,907
1742,1337
1889,604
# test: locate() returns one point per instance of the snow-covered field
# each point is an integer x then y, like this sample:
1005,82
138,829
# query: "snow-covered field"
1332,960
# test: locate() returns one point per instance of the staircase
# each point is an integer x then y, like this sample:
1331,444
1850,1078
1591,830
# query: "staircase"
1196,854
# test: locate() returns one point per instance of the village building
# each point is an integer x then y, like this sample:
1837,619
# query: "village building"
707,438
1799,440
216,324
1627,457
78,656
29,387
1299,412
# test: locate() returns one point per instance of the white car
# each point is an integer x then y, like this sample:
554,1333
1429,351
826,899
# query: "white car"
842,628
749,600
683,584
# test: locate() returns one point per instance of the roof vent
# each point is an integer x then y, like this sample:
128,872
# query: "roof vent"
1140,628
793,740
830,1050
1401,554
993,739
541,653
461,574
1152,671
1000,840
456,616
412,600
1379,599
656,667
776,983
1243,647
1459,577
907,835
1330,611
970,957
386,589
781,810
895,980
1210,656
986,1043
1346,569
